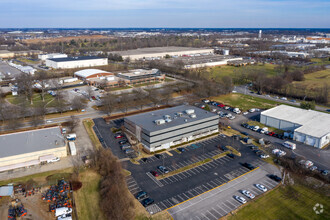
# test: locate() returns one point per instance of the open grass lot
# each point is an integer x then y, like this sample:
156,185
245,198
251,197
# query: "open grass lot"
321,61
120,88
146,84
28,61
37,100
286,202
221,71
245,102
87,197
315,80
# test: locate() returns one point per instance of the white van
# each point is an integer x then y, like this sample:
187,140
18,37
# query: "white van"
62,211
289,145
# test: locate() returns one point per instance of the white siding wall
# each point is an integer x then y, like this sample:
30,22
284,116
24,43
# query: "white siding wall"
76,63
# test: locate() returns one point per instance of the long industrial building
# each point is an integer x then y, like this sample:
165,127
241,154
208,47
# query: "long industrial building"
164,128
309,127
28,148
160,52
76,62
51,56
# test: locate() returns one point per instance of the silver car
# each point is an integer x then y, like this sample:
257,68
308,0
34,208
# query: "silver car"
248,194
240,199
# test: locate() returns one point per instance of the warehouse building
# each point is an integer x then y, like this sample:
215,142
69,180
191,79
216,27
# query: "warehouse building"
51,56
91,73
164,128
28,148
152,53
76,62
141,76
309,127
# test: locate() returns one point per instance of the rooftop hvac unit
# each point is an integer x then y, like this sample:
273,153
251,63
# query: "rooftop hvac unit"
168,120
190,111
160,121
192,115
179,114
167,117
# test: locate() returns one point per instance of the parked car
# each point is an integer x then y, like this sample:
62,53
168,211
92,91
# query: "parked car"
240,199
118,136
248,194
252,110
163,169
263,156
245,113
249,166
146,202
275,177
154,173
181,149
122,142
245,133
231,155
231,117
261,187
324,172
158,156
128,151
255,128
141,195
284,98
253,147
205,100
289,145
313,168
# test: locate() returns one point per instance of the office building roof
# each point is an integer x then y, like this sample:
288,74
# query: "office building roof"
30,141
67,59
90,72
312,123
148,120
152,50
139,72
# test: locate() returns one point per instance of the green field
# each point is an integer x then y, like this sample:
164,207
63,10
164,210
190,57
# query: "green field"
321,61
220,71
245,102
36,99
286,202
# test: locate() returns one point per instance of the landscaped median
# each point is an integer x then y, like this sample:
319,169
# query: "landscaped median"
89,124
234,151
182,169
220,155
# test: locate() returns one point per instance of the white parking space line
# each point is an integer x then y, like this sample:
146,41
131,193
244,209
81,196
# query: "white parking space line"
208,211
205,217
226,206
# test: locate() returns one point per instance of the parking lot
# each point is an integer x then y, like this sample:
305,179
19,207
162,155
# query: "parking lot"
175,189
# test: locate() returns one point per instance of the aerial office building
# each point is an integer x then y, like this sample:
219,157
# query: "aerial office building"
76,62
309,127
164,128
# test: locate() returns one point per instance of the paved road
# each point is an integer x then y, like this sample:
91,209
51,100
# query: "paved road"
220,201
245,90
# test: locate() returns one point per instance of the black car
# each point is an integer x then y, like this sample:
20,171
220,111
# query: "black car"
253,147
223,148
181,149
244,125
231,155
249,166
259,130
141,195
274,177
244,133
101,140
147,202
257,152
159,156
144,159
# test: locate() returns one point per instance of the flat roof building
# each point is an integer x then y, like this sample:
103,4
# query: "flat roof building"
310,127
164,128
51,56
76,62
91,73
160,52
25,148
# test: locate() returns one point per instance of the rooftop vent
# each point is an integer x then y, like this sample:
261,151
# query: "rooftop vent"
186,120
179,114
190,111
167,117
160,121
192,115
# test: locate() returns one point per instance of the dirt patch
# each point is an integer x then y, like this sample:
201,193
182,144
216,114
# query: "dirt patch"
62,39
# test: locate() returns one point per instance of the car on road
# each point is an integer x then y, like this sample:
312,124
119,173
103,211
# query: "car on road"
146,202
154,173
261,187
275,177
231,155
240,199
249,166
292,100
231,117
248,194
49,121
118,136
162,169
284,98
141,195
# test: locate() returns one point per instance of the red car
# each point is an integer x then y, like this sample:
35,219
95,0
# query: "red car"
154,173
271,133
221,105
119,136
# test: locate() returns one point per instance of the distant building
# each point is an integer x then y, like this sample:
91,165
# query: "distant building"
51,56
260,34
76,62
154,53
28,148
309,127
91,73
10,54
141,75
164,128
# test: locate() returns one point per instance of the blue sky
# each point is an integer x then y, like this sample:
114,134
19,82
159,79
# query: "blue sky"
165,13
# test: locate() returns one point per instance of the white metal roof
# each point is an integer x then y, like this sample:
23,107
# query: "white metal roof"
88,72
313,123
6,190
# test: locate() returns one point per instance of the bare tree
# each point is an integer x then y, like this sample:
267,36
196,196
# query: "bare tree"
154,97
140,97
125,101
78,103
89,92
42,77
24,84
109,103
72,123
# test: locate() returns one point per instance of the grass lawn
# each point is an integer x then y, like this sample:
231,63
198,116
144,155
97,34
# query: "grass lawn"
245,102
88,124
87,197
120,88
315,80
321,61
286,202
25,60
221,71
167,79
36,99
146,84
